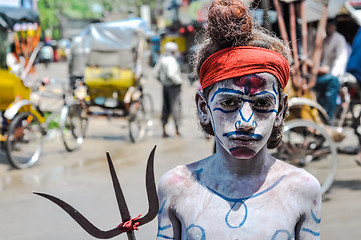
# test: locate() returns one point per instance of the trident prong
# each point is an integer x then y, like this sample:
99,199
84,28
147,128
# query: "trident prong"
123,208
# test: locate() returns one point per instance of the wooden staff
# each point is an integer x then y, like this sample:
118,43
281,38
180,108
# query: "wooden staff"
281,23
296,67
321,28
304,44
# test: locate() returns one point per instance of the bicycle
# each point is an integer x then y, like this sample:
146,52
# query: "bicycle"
23,137
309,145
140,117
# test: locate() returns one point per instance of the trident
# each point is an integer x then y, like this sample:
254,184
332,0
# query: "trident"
128,225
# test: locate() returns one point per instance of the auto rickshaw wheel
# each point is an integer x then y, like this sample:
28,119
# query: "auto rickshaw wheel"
137,121
74,123
24,140
148,106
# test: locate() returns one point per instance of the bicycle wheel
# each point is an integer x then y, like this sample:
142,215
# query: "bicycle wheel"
306,144
73,125
148,106
137,121
24,140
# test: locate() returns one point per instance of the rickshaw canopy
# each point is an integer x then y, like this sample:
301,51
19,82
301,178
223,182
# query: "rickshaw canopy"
113,36
10,16
314,8
108,44
109,57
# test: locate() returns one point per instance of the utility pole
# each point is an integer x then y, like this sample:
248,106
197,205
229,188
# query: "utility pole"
265,5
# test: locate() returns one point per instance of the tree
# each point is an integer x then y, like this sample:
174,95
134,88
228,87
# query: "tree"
52,11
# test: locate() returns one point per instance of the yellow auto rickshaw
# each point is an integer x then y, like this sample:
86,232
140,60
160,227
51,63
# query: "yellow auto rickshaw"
23,124
107,58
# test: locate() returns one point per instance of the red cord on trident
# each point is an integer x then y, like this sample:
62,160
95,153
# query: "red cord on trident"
129,225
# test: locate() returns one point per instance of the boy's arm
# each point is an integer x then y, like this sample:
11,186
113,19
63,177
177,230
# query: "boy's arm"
169,226
308,226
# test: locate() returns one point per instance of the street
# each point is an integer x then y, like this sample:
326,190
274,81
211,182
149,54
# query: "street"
82,179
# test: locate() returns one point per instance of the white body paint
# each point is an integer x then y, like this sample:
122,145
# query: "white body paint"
239,196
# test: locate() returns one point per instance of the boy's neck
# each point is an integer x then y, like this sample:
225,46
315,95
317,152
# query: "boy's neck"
236,177
256,166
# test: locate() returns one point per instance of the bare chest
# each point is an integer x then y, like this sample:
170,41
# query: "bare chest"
206,214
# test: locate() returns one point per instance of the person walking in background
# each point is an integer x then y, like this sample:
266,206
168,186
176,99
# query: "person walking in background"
168,72
47,54
333,64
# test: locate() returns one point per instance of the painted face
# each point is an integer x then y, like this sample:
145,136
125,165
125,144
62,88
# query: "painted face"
243,111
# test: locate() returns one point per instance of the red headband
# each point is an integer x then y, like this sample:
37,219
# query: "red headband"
240,61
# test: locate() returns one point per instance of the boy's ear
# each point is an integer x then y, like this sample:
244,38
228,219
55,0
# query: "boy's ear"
202,108
281,110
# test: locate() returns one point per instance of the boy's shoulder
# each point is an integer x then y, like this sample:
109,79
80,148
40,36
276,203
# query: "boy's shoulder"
175,180
180,178
299,181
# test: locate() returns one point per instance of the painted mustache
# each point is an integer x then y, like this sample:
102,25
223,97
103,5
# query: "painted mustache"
242,135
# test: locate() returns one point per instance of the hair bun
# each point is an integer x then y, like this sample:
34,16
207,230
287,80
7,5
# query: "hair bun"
229,23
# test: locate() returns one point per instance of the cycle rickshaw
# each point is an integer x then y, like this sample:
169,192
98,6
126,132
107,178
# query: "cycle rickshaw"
23,124
106,72
310,137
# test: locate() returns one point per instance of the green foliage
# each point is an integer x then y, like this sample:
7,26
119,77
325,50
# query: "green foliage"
48,14
51,11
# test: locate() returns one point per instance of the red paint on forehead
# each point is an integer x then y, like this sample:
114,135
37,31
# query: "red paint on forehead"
251,83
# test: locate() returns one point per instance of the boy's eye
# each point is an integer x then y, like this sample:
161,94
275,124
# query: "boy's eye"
229,104
262,103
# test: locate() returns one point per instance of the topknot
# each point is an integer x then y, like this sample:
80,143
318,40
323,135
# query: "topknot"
229,23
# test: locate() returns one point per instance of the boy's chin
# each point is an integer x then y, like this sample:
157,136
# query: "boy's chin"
242,152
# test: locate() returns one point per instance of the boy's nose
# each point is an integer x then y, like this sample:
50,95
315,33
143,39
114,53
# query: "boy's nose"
246,118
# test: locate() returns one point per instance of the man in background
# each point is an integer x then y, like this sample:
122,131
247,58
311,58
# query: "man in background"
168,72
333,64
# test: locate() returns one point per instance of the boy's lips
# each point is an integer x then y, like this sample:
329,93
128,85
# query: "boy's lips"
243,136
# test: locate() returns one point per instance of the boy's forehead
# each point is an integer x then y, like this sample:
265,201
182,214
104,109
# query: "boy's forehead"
251,83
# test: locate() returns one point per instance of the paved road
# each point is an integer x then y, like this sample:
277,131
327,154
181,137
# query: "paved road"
82,179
